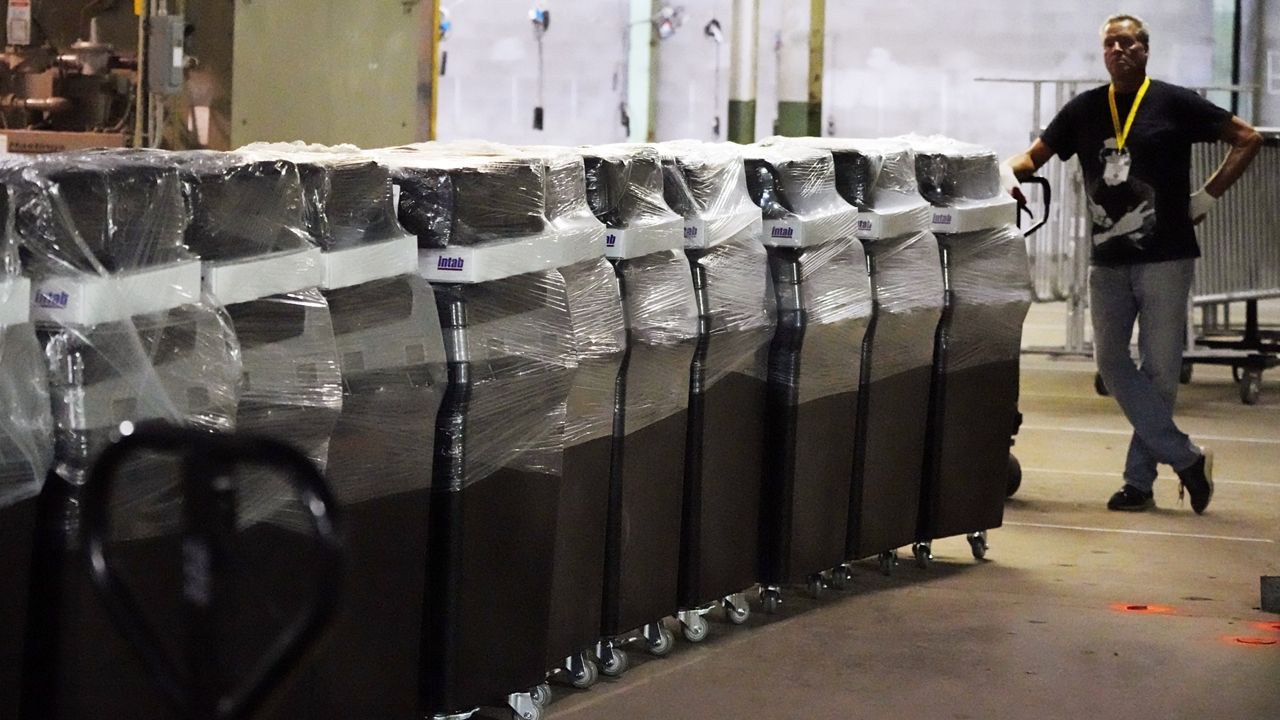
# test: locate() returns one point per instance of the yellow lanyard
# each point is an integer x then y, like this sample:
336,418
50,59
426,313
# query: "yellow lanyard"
1123,134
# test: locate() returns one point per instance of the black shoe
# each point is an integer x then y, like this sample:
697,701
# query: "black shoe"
1198,481
1131,499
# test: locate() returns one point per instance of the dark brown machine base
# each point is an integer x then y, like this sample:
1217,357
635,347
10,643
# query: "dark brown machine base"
720,549
886,481
804,522
489,573
644,573
967,482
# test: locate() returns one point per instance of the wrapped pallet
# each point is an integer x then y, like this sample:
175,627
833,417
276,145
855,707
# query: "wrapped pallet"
26,450
968,469
823,299
390,354
127,337
500,433
724,458
644,242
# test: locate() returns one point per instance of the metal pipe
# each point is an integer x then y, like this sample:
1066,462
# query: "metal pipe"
642,70
52,105
743,71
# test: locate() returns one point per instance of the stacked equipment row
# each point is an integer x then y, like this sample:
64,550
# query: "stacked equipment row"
561,395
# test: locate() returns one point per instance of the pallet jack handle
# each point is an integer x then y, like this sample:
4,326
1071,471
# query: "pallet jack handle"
1046,194
207,462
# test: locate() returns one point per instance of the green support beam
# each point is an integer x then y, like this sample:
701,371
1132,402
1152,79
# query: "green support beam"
742,71
800,73
642,71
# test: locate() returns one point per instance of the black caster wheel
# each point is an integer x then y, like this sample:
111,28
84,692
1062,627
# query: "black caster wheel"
541,695
1184,376
978,544
888,559
614,662
923,554
1250,386
771,599
737,613
1099,386
661,643
815,586
840,577
695,630
1014,479
586,676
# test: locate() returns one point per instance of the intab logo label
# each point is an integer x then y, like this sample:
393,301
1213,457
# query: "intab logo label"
864,224
52,299
690,232
450,263
783,233
610,240
941,219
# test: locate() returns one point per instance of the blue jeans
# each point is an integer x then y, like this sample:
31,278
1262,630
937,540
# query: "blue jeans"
1155,296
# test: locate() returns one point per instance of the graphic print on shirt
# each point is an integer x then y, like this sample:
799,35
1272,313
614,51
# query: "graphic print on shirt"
1121,207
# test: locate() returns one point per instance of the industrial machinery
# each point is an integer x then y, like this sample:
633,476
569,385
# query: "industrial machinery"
88,93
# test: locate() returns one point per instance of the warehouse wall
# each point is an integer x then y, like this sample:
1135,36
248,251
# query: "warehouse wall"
326,71
896,67
489,88
1268,64
891,67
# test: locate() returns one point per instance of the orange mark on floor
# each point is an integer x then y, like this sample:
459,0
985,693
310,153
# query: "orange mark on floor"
1143,609
1252,641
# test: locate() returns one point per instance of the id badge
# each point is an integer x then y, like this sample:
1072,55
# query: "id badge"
1116,168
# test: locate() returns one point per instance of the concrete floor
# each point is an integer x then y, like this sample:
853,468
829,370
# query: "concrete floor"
1033,631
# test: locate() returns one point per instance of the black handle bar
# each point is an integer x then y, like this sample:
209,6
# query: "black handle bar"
207,460
1046,193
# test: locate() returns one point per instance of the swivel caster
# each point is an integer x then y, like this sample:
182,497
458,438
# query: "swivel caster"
582,672
693,626
924,555
523,706
815,585
659,639
978,543
1250,386
840,577
888,560
771,599
613,661
737,609
541,695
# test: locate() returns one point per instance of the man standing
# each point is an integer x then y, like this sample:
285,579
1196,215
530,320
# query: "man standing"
1133,138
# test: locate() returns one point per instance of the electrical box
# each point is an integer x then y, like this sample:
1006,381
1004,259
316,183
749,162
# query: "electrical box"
166,54
18,22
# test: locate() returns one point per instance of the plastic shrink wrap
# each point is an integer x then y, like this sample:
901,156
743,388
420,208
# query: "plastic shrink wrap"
974,412
126,337
725,459
258,261
962,182
26,450
907,285
491,254
391,356
823,301
878,176
644,241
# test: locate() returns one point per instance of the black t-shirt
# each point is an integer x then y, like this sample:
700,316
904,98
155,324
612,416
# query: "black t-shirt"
1144,219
